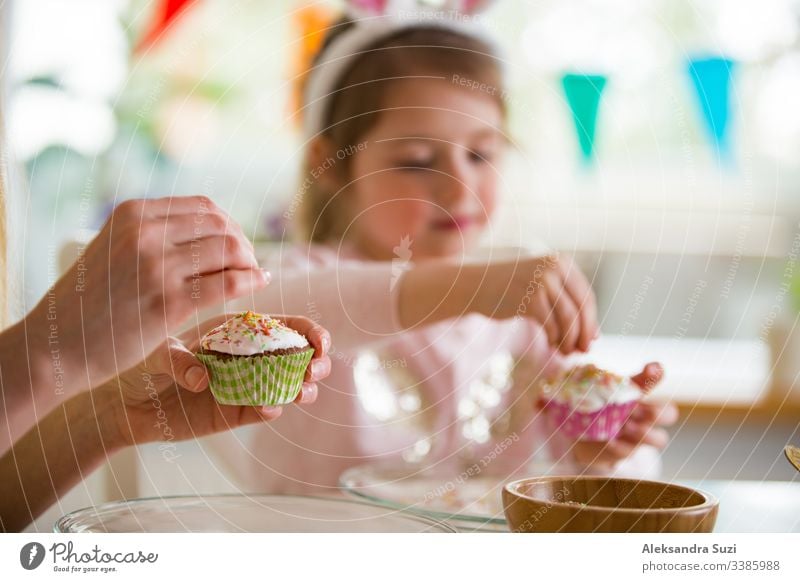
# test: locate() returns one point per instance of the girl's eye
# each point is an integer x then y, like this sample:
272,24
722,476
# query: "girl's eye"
414,165
480,156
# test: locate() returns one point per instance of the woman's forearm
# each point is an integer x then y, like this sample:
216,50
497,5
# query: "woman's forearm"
53,456
31,380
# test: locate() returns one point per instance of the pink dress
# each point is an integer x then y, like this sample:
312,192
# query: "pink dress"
455,391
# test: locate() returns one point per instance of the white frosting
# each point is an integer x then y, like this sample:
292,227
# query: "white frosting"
589,389
251,333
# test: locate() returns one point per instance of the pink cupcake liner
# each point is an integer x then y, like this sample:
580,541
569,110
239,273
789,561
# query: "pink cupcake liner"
601,425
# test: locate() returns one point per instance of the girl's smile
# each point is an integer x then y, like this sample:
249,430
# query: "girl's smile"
457,223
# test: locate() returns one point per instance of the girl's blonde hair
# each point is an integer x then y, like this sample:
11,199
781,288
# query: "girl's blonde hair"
356,101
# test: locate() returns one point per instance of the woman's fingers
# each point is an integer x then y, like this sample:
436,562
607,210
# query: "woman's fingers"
170,205
179,229
268,412
320,340
319,369
308,394
211,255
225,285
144,211
318,336
253,414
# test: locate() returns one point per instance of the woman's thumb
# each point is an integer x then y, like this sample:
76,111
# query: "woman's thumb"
185,368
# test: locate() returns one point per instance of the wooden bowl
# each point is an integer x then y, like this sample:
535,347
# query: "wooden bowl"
605,504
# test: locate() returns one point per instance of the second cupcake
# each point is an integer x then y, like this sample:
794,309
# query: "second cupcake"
588,403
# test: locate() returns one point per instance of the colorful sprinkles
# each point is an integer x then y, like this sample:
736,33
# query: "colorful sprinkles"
590,375
254,326
582,378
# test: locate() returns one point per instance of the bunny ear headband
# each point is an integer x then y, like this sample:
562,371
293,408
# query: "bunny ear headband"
378,19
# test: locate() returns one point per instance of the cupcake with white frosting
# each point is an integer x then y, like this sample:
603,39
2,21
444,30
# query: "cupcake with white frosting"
255,360
588,403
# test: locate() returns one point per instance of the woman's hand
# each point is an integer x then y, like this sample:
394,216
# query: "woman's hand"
147,403
167,397
645,426
154,264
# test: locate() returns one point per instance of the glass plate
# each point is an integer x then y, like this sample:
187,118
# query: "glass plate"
243,513
468,502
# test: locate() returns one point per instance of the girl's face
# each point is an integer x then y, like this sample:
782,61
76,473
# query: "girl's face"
425,183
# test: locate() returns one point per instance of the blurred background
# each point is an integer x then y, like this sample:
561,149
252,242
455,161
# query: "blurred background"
658,141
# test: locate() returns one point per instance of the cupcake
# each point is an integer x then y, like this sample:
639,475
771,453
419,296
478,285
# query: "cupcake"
255,360
588,403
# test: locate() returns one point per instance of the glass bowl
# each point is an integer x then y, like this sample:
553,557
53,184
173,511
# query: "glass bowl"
245,513
468,502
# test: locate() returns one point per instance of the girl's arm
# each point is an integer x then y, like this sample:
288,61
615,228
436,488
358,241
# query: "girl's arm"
364,302
550,291
355,300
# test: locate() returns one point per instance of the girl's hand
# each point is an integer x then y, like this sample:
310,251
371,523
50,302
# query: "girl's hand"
550,290
154,264
167,397
645,426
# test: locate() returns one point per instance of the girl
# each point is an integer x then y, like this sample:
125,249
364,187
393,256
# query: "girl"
434,356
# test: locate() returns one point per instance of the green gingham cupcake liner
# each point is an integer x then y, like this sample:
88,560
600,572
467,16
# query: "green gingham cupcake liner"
257,380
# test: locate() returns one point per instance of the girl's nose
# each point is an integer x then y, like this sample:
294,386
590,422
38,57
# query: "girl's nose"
456,184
